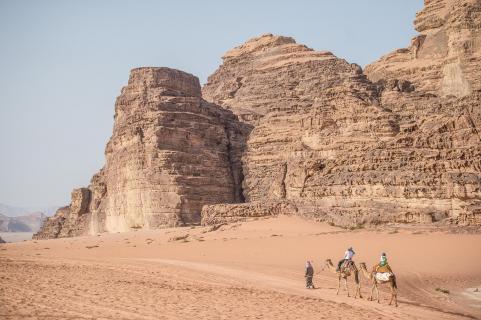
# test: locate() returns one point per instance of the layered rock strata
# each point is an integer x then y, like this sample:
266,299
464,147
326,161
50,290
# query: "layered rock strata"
228,213
270,73
291,130
445,58
344,149
171,152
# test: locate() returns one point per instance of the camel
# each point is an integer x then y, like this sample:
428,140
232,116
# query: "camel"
375,282
346,272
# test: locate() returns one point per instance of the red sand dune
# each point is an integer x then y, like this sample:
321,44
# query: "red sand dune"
252,270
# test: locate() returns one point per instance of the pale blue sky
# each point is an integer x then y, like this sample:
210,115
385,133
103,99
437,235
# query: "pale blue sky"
62,64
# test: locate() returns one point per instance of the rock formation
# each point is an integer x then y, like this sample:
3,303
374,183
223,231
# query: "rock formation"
228,213
13,211
291,130
344,149
271,73
72,220
445,58
25,223
170,153
1,240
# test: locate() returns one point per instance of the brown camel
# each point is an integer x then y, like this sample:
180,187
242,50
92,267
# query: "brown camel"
346,272
375,282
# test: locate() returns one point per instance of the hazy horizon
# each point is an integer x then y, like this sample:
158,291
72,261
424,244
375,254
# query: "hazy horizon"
64,62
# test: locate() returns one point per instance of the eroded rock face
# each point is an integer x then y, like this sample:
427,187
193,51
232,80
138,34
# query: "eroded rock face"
270,73
316,137
171,152
445,58
69,221
228,213
343,149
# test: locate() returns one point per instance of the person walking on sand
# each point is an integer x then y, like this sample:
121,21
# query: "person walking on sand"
347,257
309,275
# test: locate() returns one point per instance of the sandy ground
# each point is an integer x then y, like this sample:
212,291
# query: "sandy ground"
252,270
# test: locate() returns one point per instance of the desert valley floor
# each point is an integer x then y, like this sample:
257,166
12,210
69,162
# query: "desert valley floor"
250,270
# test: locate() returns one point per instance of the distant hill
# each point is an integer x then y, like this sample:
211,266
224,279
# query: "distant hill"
27,223
13,211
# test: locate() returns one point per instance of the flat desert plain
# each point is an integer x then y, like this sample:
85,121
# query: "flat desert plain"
249,270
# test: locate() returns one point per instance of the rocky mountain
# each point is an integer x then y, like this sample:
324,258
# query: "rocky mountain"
28,223
444,58
345,149
286,129
13,211
171,152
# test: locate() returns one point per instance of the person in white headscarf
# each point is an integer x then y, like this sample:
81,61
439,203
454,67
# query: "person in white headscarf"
383,266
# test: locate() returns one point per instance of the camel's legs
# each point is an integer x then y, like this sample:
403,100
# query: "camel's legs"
338,284
345,284
372,291
395,296
392,292
356,292
358,284
359,290
377,290
356,288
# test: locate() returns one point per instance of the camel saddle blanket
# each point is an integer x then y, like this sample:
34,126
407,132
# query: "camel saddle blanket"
383,276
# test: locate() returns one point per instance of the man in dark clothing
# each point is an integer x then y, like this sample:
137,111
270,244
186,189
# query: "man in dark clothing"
309,275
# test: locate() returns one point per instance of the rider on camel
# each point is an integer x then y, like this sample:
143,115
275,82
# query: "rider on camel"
383,265
347,257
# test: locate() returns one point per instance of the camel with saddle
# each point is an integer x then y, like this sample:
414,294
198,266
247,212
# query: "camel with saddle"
381,275
348,268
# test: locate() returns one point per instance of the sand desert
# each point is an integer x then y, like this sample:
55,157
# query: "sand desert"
247,270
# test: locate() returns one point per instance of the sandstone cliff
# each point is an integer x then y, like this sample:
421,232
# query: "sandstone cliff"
171,152
343,149
269,73
291,130
445,58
